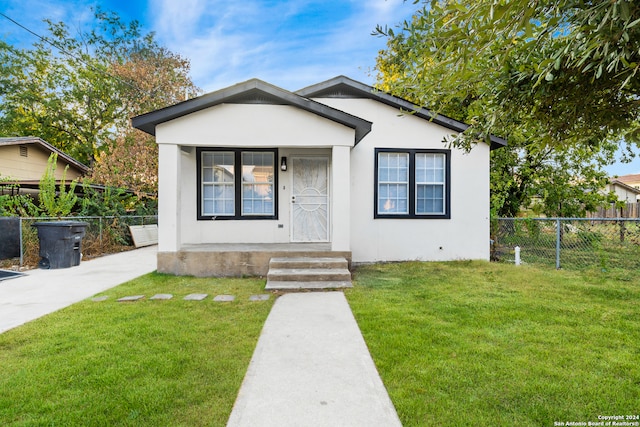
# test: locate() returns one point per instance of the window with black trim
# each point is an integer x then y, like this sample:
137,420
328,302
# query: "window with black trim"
237,184
411,183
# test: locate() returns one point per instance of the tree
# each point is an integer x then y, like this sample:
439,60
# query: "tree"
570,65
558,138
79,91
117,167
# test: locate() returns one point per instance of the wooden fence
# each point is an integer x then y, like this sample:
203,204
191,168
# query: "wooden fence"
631,210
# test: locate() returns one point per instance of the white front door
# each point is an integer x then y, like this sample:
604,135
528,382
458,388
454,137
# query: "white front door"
310,199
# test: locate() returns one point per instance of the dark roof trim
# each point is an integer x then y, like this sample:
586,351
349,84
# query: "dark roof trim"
250,92
344,87
625,186
24,140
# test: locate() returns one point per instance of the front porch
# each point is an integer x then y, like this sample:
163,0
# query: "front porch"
238,259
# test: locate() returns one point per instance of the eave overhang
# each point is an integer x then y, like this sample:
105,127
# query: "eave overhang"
33,140
344,87
253,91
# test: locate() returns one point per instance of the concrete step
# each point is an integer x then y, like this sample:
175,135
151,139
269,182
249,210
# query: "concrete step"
286,285
308,262
308,273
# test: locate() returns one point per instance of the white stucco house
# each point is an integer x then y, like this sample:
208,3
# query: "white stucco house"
627,193
253,170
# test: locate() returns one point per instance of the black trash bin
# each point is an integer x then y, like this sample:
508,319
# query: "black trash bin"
9,237
60,243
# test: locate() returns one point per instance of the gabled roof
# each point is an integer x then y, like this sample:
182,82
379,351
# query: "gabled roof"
625,186
26,140
344,87
632,178
252,91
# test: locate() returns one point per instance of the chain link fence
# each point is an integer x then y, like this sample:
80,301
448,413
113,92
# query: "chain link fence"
103,235
571,243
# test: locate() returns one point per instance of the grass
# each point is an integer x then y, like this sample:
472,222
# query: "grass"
150,363
608,245
460,343
473,343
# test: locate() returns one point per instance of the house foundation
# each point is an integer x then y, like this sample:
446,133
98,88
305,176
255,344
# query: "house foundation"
236,260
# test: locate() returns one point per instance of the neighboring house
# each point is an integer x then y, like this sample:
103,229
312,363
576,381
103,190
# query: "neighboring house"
334,167
632,180
23,161
625,192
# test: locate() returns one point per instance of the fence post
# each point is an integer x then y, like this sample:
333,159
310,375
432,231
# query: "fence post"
622,226
558,238
21,249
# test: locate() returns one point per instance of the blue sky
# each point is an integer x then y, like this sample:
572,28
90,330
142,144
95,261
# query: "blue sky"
291,44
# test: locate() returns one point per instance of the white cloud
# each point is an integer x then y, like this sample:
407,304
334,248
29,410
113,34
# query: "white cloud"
290,44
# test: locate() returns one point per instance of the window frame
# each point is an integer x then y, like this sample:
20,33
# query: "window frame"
412,196
237,184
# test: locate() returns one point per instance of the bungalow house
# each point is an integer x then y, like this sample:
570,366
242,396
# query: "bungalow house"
632,180
623,191
23,161
253,172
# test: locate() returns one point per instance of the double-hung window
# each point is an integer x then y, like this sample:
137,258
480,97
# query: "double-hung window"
237,184
412,183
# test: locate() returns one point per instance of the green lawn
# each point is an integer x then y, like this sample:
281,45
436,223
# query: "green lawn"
146,363
462,343
473,343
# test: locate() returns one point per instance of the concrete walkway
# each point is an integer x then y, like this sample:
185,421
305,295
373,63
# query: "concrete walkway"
311,367
41,292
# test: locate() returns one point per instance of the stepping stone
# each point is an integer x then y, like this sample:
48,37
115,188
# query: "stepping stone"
98,299
195,297
262,297
162,296
224,298
131,298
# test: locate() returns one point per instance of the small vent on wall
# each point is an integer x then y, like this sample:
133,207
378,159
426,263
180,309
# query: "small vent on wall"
23,151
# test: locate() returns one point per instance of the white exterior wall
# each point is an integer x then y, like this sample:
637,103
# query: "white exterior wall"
624,194
293,131
464,236
169,197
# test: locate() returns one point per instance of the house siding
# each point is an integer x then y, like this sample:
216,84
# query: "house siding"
627,195
464,236
254,125
31,167
292,131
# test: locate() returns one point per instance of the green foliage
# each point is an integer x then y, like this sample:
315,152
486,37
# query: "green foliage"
15,204
80,95
114,201
572,67
105,202
56,200
480,62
